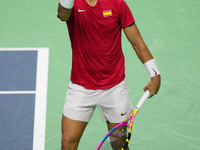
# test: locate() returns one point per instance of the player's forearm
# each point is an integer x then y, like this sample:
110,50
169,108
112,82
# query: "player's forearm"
133,35
142,51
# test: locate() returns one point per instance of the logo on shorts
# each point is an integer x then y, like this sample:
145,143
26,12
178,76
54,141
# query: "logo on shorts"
122,114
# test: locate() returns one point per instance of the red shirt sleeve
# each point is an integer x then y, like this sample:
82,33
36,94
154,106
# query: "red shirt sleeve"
126,17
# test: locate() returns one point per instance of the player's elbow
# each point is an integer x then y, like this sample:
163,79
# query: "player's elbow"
64,14
62,17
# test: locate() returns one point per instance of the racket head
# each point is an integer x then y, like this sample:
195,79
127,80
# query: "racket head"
115,139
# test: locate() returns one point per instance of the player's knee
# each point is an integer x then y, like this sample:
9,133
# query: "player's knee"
69,143
64,143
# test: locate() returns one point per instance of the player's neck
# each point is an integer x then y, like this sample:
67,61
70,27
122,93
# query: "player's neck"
91,2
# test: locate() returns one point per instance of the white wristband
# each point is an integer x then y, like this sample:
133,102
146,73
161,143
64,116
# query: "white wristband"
152,68
67,3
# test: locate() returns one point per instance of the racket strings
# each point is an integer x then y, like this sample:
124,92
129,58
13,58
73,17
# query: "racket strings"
116,140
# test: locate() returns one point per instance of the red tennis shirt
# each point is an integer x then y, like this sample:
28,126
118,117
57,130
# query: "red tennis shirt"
95,34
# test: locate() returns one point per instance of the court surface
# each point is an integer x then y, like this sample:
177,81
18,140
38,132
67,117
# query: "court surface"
23,97
168,121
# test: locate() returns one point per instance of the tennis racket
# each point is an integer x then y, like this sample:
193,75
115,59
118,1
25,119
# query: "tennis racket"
118,137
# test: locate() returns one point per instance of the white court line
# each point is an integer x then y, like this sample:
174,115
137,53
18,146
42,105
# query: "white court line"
41,99
40,94
17,92
22,49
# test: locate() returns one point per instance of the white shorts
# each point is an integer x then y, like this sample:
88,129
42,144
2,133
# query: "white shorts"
114,103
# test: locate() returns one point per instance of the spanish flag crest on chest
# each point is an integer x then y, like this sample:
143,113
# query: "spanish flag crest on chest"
107,13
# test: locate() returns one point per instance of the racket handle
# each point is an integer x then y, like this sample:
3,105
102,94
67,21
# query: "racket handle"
143,99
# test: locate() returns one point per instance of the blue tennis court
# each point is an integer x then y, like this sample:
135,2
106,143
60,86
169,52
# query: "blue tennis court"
22,83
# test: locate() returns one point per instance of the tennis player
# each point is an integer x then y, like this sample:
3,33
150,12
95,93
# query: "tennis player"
98,69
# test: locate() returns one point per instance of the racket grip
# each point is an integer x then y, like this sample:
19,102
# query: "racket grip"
143,99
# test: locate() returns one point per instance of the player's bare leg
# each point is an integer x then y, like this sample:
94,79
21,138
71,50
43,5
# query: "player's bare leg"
72,131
